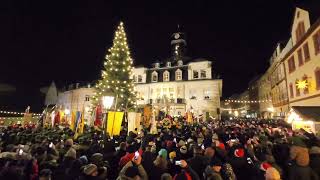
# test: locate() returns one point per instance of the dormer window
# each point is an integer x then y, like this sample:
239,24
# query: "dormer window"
166,76
168,64
180,63
203,74
178,75
195,74
300,31
134,78
154,76
139,78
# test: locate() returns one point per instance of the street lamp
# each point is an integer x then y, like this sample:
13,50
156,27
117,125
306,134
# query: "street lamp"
107,102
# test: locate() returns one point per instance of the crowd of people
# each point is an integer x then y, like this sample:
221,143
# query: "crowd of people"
224,150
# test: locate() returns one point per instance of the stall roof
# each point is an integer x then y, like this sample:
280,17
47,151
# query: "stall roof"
308,112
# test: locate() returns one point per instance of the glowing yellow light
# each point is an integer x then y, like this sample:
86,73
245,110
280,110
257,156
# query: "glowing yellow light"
302,84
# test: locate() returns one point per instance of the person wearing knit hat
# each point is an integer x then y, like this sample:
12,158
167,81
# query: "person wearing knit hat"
181,143
272,174
239,153
84,160
183,149
69,143
212,171
264,166
90,170
172,155
163,153
299,152
71,153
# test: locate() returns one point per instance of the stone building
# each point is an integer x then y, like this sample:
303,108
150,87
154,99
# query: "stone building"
179,84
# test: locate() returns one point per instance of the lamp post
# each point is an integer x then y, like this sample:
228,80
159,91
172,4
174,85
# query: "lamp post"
67,112
107,102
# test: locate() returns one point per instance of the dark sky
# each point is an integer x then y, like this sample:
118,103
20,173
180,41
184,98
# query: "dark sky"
66,41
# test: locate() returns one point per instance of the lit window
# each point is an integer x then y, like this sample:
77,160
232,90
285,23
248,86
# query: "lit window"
168,64
306,52
178,75
166,76
300,31
207,94
291,90
192,93
317,75
154,77
291,64
139,78
203,74
300,57
195,74
171,93
316,42
134,78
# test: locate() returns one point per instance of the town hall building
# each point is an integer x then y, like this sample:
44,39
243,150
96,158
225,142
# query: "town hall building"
179,84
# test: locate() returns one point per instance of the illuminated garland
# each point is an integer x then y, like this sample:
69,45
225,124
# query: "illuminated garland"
18,113
249,102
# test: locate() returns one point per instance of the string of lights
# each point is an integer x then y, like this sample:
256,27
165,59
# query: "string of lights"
230,109
17,113
248,102
15,118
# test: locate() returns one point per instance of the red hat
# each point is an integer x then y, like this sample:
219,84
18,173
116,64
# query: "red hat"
221,146
264,166
239,153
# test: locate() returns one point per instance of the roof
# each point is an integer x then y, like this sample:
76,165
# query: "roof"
312,6
308,112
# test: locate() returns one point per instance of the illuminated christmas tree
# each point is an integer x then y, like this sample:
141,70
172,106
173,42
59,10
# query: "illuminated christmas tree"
117,74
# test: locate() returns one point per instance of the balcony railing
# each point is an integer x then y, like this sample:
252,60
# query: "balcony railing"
162,101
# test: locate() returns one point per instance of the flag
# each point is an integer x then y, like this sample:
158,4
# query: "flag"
98,120
73,120
80,126
114,122
56,118
78,117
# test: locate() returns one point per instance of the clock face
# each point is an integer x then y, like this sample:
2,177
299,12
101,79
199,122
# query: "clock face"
176,36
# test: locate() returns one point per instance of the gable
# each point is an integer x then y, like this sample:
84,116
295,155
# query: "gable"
300,24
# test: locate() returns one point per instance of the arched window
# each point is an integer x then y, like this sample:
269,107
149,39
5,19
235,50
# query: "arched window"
134,78
154,76
306,89
139,78
291,90
178,75
166,76
317,77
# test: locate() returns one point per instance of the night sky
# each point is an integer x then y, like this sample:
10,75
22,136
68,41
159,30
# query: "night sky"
66,41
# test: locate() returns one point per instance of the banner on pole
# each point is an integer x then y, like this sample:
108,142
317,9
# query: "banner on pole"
114,122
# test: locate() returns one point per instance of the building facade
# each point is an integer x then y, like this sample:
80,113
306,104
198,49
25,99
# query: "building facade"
302,62
179,84
76,99
266,109
293,77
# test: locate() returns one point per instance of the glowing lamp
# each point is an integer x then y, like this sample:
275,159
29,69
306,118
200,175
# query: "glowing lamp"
107,101
67,111
302,84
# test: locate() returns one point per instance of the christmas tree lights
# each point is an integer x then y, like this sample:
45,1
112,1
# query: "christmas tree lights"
117,74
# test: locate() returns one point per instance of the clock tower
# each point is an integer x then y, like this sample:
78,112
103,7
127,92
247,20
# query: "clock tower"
178,46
